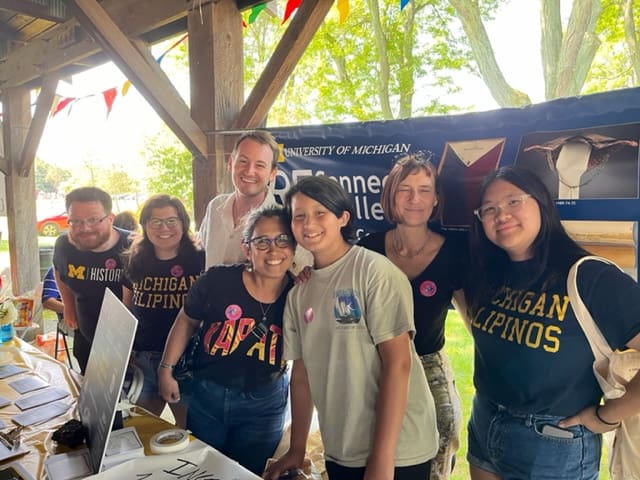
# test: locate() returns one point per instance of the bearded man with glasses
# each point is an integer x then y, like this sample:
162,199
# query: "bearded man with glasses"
87,261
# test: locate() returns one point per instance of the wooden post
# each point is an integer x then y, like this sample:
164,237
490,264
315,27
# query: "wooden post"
216,72
21,192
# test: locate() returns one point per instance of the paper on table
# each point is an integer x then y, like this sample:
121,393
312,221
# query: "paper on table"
68,466
14,471
44,396
3,403
42,414
9,370
6,452
28,384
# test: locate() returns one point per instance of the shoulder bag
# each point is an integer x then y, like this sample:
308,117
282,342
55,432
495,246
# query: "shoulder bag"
613,370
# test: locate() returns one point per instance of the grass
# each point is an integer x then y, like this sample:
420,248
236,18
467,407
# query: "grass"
459,348
42,242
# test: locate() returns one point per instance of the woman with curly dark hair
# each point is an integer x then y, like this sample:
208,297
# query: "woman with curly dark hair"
160,266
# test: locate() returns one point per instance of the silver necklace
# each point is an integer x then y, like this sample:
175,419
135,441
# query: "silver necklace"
264,311
260,329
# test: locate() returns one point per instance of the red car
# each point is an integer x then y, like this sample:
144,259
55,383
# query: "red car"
52,226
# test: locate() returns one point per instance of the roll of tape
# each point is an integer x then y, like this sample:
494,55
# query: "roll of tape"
169,441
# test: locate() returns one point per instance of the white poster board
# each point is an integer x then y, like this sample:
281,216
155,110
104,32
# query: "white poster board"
203,463
104,376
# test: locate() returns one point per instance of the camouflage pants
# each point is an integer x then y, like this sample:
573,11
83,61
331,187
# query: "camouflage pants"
448,410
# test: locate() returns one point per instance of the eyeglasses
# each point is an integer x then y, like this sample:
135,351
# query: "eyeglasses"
491,210
156,223
88,222
263,243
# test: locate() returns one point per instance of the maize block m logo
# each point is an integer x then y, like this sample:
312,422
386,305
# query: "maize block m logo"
76,272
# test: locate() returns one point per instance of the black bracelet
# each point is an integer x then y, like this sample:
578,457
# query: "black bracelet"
602,420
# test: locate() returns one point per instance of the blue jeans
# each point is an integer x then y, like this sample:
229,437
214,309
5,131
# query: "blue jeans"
513,446
245,426
148,362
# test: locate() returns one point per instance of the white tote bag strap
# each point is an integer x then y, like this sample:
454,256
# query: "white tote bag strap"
599,344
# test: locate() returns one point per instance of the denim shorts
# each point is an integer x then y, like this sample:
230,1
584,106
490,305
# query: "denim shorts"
513,446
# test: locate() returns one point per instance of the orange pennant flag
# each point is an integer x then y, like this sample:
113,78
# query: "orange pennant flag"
109,98
343,9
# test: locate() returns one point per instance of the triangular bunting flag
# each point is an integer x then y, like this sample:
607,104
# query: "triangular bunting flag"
63,102
343,9
109,97
291,6
255,11
125,88
403,3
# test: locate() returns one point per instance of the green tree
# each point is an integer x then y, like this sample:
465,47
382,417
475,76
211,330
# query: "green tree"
368,67
169,166
571,52
49,178
613,66
117,181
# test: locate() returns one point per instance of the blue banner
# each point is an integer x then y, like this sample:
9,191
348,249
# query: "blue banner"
585,149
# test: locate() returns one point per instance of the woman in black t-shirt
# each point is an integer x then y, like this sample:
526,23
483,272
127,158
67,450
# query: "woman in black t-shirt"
435,265
160,266
237,403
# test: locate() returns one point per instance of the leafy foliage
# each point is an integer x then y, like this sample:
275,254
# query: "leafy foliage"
117,181
50,177
613,67
369,67
169,167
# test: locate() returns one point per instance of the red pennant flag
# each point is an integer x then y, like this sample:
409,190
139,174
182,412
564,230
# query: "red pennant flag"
109,98
291,6
61,104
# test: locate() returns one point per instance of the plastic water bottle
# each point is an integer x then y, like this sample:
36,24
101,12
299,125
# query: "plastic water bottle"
8,315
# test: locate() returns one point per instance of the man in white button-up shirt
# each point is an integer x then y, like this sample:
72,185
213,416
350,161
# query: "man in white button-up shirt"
253,166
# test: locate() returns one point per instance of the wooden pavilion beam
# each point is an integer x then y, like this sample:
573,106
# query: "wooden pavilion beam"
36,128
285,57
65,44
143,72
31,9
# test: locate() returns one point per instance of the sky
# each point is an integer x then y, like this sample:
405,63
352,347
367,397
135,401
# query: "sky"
85,132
